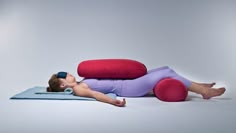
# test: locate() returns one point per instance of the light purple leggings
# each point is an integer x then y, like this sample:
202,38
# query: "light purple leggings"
135,87
142,85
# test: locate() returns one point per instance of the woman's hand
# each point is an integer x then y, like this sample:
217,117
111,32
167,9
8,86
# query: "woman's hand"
119,103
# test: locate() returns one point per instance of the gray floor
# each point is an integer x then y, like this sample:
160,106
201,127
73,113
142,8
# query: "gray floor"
145,114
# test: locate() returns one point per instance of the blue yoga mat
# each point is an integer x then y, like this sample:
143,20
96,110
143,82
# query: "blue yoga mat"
41,94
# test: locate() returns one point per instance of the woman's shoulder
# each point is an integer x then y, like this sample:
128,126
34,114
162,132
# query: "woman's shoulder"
82,84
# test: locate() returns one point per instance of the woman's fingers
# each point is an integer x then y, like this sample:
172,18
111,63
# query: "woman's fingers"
120,103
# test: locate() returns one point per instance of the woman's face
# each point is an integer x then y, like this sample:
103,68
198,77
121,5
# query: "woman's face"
70,78
67,81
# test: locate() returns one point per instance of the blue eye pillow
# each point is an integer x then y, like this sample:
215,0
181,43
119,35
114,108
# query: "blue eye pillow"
62,75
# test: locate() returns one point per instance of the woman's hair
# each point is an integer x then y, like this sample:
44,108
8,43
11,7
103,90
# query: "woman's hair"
54,84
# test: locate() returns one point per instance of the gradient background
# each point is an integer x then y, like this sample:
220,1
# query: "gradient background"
37,38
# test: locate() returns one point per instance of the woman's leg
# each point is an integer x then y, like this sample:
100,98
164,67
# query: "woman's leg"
201,84
166,67
206,90
158,69
142,85
206,84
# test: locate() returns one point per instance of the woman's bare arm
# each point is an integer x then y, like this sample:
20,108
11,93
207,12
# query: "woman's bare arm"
85,91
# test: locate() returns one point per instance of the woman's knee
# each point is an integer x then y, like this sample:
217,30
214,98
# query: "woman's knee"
168,69
170,72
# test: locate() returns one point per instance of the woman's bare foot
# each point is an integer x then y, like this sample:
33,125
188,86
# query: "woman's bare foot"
212,92
207,84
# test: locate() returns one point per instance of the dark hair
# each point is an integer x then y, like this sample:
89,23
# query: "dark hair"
54,84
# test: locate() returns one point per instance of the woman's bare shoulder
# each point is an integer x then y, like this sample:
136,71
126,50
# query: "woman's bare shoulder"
82,85
82,89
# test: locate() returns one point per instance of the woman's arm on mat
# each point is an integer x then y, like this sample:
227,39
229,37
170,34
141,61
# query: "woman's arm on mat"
87,92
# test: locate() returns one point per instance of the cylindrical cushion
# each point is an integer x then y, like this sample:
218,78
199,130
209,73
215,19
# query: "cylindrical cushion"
111,68
170,90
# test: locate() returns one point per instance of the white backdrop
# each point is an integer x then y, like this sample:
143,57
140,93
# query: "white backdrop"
38,38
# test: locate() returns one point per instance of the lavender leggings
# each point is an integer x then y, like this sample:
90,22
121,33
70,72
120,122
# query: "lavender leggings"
135,87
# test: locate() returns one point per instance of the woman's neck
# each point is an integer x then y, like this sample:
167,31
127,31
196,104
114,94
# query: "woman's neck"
72,85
